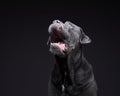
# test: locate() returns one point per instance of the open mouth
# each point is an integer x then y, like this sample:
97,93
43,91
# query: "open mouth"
57,40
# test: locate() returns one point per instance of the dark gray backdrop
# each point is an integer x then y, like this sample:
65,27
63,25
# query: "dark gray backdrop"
25,61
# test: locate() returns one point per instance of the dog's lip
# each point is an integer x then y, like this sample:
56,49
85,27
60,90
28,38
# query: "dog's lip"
56,36
62,46
60,27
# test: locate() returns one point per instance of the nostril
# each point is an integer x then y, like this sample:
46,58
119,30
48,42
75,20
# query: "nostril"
57,21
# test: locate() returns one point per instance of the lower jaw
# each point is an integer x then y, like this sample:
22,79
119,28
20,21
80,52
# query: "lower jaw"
61,56
59,53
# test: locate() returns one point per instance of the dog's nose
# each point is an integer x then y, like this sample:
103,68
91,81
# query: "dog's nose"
56,21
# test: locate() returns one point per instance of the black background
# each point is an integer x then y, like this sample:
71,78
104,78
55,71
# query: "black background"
25,62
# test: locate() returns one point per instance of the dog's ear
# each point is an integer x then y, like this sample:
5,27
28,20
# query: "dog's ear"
84,39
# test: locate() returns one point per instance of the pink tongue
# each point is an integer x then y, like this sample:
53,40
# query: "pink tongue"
60,45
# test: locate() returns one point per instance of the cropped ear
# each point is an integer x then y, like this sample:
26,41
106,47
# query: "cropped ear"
84,39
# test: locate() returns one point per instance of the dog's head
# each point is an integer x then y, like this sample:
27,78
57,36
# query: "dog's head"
64,37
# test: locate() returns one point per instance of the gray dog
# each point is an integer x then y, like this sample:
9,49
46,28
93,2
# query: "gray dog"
72,75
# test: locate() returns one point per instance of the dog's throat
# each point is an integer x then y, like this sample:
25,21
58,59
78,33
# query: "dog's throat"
64,70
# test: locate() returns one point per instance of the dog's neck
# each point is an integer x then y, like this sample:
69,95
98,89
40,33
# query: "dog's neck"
66,63
61,60
74,56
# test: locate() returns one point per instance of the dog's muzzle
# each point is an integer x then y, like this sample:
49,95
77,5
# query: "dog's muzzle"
57,39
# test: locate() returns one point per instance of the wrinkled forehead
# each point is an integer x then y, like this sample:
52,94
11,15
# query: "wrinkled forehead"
72,26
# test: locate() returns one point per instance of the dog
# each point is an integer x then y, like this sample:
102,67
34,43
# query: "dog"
72,75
